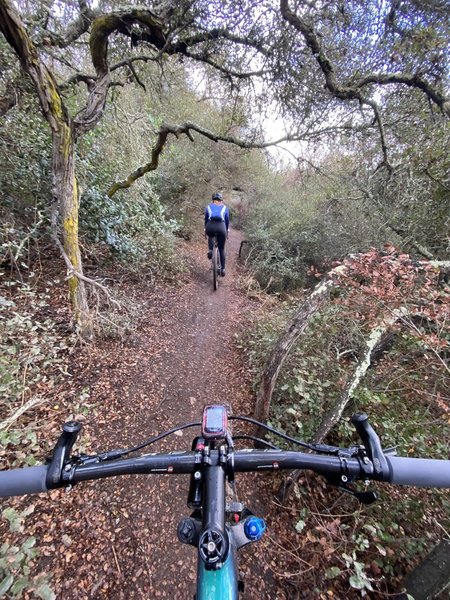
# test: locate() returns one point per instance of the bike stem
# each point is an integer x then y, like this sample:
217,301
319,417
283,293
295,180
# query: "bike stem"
214,543
214,488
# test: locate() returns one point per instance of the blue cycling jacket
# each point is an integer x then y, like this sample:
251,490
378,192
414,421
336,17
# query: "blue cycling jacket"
217,212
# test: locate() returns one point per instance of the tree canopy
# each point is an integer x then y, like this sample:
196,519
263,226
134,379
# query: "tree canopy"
370,76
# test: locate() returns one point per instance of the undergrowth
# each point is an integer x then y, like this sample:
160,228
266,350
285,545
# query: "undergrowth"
33,360
34,355
406,394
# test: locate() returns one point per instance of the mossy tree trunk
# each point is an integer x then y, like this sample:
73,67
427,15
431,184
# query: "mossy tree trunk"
64,181
66,130
67,198
285,342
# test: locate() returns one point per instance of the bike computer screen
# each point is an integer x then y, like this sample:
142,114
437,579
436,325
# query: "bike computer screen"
214,422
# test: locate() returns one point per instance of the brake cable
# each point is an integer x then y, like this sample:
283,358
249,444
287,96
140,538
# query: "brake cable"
321,448
114,454
118,453
258,440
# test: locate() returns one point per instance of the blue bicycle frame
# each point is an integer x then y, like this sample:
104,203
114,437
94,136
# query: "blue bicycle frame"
218,585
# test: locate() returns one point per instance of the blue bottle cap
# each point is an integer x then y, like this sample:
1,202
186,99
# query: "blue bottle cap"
254,528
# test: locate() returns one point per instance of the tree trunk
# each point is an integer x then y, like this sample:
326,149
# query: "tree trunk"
335,413
66,195
285,342
431,577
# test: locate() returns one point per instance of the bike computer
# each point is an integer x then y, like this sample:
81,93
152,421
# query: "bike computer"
214,422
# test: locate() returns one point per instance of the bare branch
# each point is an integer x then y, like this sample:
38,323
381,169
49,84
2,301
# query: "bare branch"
90,79
132,59
135,75
33,230
384,149
225,70
409,241
186,129
73,30
181,46
411,81
391,21
6,424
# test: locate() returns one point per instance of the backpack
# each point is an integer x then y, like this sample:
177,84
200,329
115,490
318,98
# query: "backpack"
216,212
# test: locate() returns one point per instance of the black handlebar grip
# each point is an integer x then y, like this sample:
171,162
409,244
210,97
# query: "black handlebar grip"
18,482
419,472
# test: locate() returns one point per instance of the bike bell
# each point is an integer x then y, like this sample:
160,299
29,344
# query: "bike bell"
254,528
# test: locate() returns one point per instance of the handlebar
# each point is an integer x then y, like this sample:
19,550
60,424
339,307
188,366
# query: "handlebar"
339,470
215,525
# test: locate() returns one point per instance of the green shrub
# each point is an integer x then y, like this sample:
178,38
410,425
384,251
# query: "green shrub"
133,228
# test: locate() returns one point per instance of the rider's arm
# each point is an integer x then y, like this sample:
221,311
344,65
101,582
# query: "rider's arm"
206,215
227,219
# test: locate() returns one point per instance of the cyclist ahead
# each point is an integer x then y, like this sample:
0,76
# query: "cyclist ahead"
217,223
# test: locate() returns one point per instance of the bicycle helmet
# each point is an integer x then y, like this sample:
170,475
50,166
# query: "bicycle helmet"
217,196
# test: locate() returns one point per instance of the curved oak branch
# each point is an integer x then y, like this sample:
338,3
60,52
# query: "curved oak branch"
163,133
409,80
102,28
187,129
346,92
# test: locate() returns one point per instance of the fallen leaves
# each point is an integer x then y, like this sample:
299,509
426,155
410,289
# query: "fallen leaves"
116,538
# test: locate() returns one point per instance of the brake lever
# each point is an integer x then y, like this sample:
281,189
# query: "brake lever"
372,446
341,483
364,497
61,454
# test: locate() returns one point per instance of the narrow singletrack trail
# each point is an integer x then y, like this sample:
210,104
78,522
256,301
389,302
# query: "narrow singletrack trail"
117,538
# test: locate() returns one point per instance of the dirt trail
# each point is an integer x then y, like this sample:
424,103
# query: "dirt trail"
117,538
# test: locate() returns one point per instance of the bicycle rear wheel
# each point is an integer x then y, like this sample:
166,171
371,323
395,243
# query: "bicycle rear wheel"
215,267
